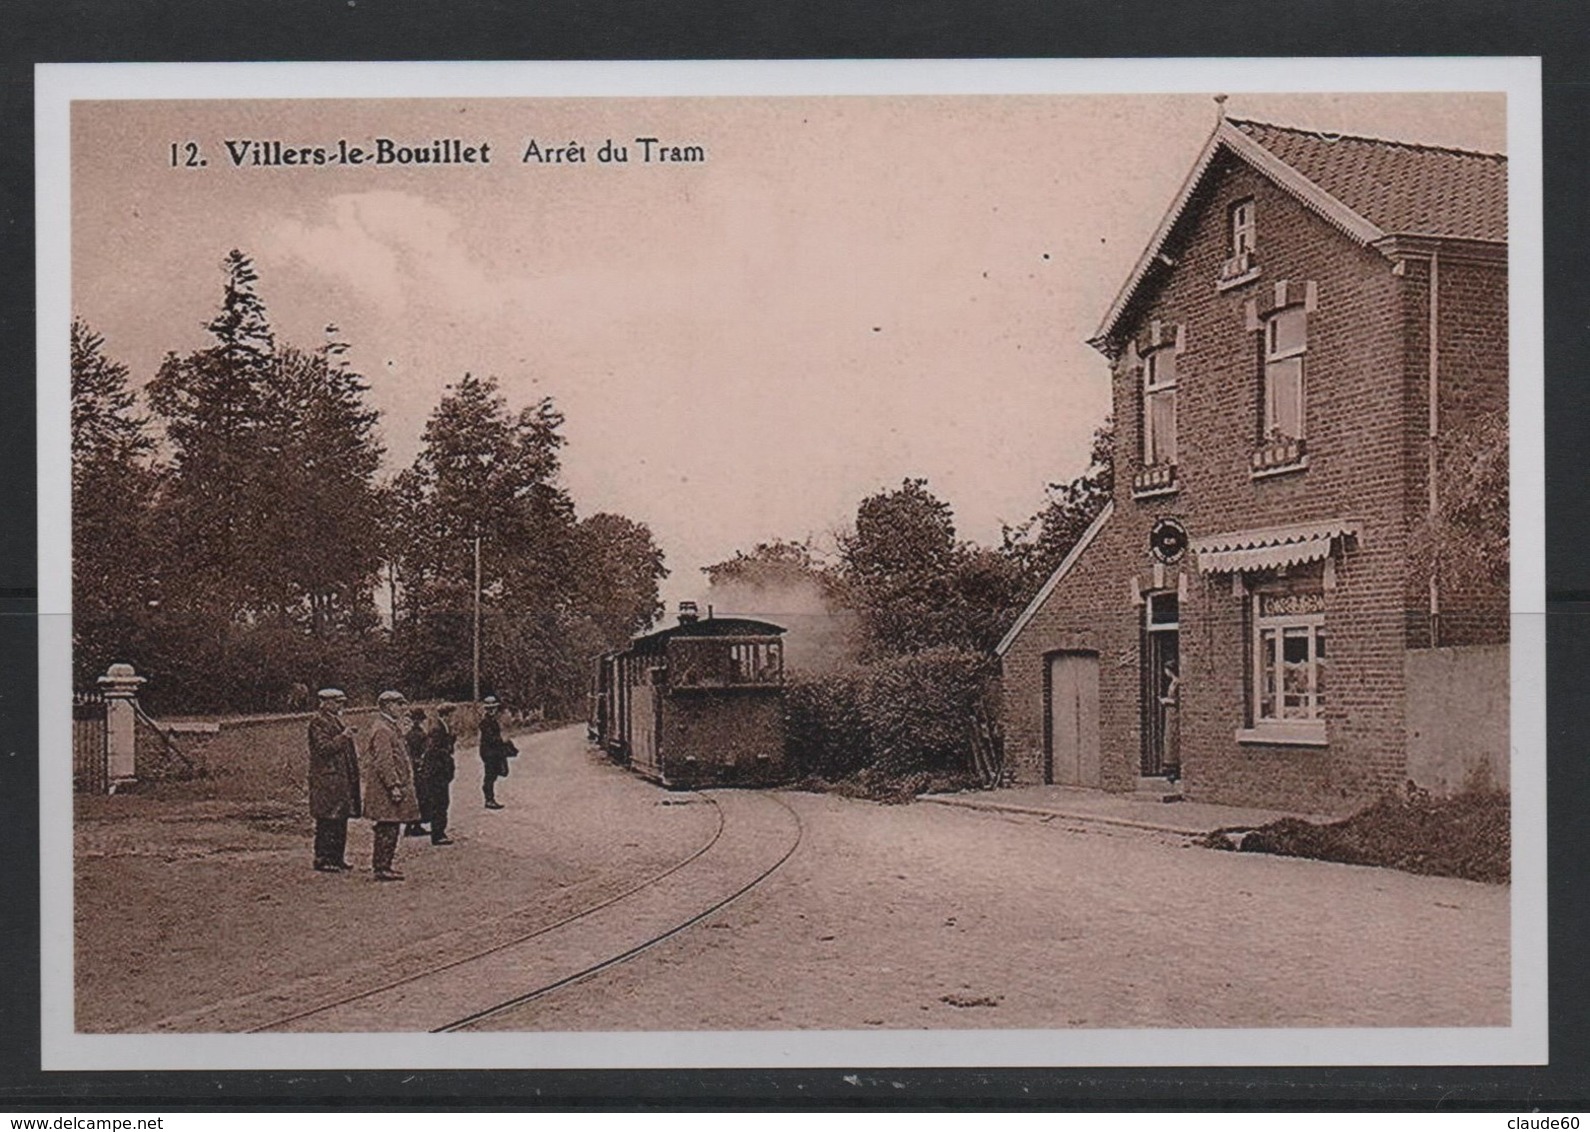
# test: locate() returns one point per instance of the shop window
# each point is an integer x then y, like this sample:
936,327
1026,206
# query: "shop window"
1290,668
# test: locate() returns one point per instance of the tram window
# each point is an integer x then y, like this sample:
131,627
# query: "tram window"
756,662
711,663
699,664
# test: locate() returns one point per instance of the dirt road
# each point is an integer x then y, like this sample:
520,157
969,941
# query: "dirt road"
909,916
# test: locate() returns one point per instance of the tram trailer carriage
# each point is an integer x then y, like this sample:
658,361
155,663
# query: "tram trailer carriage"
697,704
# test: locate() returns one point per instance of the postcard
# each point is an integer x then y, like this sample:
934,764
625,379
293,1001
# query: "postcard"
812,564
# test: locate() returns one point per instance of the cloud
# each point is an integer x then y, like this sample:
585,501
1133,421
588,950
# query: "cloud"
391,248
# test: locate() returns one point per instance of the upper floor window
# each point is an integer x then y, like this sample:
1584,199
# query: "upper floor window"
1285,343
1159,407
1240,265
1242,228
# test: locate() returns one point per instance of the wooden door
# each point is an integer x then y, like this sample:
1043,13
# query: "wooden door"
1073,730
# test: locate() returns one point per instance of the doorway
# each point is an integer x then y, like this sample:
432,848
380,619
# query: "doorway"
1162,686
1071,687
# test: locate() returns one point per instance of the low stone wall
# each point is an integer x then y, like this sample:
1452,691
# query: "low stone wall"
261,755
1458,715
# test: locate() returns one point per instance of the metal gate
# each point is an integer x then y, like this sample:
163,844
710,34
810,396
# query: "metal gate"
90,750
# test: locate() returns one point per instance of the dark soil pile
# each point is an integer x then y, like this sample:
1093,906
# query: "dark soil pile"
1466,836
874,785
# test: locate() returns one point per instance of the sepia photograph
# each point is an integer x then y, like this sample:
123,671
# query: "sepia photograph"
920,572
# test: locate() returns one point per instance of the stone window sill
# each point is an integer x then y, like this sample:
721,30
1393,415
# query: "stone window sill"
1246,277
1155,480
1285,734
1298,465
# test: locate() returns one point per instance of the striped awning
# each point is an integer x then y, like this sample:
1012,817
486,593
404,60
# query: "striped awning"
1270,548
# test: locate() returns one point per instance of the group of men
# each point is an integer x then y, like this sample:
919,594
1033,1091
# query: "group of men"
407,775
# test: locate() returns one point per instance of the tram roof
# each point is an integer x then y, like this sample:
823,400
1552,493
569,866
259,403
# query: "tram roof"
708,627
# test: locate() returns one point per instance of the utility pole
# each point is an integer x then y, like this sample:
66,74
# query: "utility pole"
477,618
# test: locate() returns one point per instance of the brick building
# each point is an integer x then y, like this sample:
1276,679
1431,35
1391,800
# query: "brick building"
1262,614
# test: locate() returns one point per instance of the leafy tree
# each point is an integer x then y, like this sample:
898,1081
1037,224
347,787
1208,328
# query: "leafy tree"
620,568
485,473
899,565
1038,546
1465,545
112,492
771,565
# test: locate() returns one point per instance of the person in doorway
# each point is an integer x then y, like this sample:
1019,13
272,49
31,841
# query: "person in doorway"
493,750
436,774
333,781
1170,723
414,738
389,797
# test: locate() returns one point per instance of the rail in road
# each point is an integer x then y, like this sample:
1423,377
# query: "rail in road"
755,834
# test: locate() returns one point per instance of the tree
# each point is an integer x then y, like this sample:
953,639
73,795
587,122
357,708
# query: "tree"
899,565
1038,546
916,586
324,453
770,566
215,406
112,492
620,566
483,472
1466,545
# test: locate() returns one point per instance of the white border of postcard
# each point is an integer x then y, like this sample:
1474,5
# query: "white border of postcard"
1524,1042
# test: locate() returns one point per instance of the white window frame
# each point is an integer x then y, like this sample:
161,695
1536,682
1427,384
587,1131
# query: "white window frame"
1154,387
1274,354
1244,228
1308,729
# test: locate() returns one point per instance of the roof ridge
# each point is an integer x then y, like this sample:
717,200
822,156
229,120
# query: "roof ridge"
1332,135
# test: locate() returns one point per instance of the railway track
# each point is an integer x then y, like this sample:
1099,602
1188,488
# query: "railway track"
756,834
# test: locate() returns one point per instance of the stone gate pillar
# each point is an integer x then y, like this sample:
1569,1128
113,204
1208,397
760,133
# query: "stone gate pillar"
120,683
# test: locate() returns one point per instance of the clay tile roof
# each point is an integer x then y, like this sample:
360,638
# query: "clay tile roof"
1369,188
1400,187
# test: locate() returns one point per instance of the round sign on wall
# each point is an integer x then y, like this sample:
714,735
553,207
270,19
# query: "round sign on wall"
1167,540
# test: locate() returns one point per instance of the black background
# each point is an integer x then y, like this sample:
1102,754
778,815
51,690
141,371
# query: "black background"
33,31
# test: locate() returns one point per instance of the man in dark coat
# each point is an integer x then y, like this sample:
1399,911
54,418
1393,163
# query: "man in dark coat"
493,750
415,738
436,774
389,798
333,781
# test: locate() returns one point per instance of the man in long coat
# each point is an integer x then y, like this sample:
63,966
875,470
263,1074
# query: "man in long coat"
493,750
389,798
415,738
436,774
333,781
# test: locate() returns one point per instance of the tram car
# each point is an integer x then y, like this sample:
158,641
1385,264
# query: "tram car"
697,704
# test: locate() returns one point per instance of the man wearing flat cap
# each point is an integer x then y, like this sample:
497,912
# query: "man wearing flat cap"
389,798
333,781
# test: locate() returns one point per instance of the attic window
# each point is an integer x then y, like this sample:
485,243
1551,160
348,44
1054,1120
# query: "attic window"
1240,264
1242,228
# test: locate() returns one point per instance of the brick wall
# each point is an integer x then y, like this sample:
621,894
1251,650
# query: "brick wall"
1366,424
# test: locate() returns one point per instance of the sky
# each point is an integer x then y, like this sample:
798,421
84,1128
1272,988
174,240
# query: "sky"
846,292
